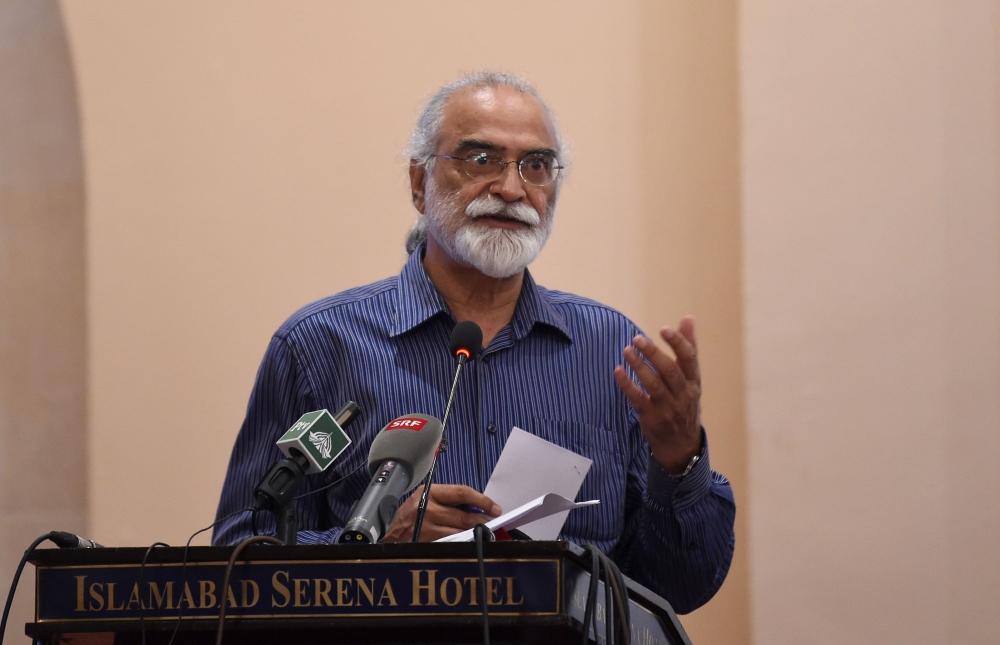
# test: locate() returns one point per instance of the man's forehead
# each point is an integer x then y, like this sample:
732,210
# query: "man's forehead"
501,115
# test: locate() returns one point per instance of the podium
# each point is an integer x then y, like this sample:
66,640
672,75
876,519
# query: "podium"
380,593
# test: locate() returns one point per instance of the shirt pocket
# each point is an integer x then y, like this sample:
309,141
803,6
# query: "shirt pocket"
581,438
606,479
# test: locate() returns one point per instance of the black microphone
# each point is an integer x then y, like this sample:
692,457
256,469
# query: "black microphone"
398,460
466,345
65,540
311,445
280,483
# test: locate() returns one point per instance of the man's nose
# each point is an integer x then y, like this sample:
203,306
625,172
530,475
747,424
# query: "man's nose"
509,184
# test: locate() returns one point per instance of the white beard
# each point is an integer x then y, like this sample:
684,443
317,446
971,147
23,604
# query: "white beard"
496,252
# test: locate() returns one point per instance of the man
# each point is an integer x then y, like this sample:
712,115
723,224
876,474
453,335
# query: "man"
484,174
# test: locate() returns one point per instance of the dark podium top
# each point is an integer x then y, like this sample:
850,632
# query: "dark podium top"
382,593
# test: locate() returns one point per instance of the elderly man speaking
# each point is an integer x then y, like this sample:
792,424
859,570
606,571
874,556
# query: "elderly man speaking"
484,175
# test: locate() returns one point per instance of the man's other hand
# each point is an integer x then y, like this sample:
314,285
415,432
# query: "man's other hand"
668,401
443,516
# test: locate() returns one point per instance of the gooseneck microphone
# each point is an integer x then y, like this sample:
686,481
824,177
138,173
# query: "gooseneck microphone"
466,344
399,459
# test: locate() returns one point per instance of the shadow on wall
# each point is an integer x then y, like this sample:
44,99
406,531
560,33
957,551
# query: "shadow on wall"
42,292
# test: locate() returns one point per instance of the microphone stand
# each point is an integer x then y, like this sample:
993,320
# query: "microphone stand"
276,490
463,356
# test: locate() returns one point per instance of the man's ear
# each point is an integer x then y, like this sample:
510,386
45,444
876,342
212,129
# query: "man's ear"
418,174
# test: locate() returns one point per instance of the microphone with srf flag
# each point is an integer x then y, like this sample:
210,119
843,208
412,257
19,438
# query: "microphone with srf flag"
398,460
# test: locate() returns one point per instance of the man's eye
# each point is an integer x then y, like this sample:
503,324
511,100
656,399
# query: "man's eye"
538,164
481,159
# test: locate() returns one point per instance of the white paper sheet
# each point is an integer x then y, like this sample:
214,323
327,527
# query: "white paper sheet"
529,467
537,509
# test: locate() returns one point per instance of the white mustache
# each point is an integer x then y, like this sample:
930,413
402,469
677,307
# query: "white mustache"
494,206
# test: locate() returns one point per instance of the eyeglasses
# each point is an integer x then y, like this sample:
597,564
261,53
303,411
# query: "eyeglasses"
537,169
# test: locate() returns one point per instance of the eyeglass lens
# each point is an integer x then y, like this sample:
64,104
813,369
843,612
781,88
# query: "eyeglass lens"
538,169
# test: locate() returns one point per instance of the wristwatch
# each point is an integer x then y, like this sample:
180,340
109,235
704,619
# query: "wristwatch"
691,464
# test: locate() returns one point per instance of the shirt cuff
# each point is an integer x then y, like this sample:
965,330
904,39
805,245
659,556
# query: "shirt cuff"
670,491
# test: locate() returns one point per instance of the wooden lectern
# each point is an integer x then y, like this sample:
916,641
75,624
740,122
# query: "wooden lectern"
380,593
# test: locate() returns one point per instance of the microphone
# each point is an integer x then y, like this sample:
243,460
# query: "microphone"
310,446
399,459
466,344
65,540
318,437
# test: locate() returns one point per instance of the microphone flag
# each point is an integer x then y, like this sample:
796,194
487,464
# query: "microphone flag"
318,436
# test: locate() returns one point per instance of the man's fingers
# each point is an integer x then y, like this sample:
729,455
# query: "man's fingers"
446,514
634,394
684,348
456,495
686,329
664,368
452,518
648,377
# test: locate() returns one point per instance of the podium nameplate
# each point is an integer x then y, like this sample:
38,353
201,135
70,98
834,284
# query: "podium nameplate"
297,589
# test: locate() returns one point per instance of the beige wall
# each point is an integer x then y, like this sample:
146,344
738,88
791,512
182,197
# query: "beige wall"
43,451
872,277
691,240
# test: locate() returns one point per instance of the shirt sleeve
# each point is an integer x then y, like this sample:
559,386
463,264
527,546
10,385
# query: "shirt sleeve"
679,533
281,394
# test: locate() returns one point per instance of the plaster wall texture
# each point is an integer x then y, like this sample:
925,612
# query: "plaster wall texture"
871,267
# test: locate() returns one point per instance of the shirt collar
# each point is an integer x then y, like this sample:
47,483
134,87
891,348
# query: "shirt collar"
419,301
534,307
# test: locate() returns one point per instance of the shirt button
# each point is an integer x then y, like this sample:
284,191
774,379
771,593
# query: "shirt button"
491,428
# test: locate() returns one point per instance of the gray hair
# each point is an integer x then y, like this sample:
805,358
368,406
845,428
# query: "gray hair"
427,131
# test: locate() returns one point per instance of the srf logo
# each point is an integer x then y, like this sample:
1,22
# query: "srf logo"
407,424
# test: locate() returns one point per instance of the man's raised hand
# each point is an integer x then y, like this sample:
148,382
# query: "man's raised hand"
668,403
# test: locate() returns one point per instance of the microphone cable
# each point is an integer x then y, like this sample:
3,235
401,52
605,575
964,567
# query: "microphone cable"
620,595
333,483
617,621
63,540
180,604
480,531
17,576
224,591
138,582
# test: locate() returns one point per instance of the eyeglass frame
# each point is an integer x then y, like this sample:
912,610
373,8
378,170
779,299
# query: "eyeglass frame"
507,163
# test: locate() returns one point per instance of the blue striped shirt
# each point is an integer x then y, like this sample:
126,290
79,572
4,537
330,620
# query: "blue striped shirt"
549,372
